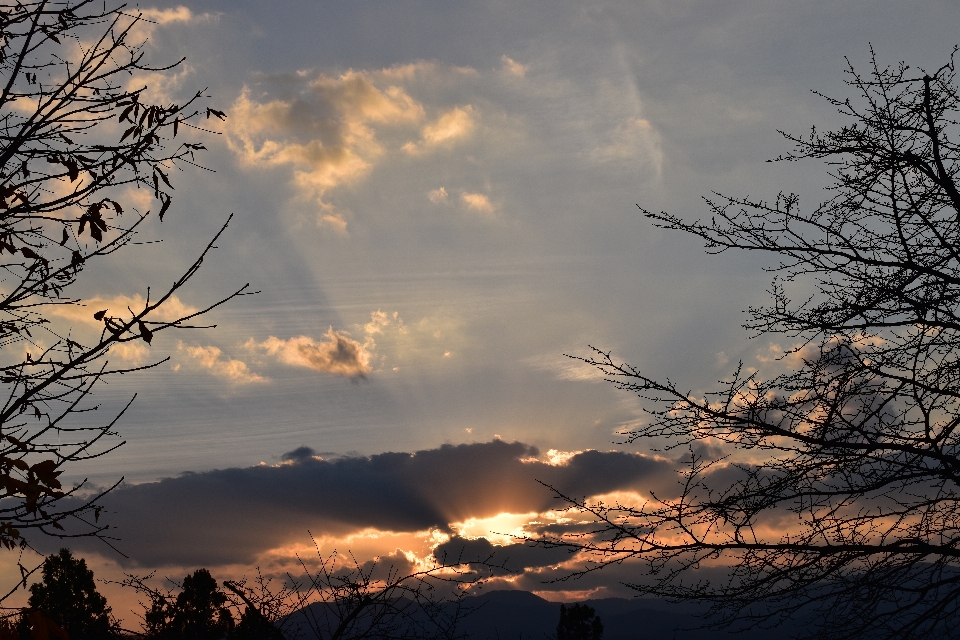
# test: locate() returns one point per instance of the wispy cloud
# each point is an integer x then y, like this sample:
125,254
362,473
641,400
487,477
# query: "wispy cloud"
121,305
477,202
209,357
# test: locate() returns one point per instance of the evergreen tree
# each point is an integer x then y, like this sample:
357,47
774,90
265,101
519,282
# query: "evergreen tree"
199,611
68,596
579,622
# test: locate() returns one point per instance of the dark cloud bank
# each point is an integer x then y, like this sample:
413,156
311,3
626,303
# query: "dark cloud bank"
230,515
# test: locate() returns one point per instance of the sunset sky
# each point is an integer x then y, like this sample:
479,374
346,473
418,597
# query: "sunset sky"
436,202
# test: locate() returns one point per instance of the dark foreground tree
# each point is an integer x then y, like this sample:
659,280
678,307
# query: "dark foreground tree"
200,611
579,622
76,132
835,498
68,596
336,600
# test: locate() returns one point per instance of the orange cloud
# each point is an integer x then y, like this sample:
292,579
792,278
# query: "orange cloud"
209,358
477,202
339,354
454,125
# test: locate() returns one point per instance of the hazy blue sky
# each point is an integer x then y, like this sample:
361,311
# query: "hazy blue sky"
437,200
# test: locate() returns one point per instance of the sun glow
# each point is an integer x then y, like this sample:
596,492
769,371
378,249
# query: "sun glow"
503,528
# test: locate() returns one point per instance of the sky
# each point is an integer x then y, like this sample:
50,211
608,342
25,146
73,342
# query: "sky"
438,202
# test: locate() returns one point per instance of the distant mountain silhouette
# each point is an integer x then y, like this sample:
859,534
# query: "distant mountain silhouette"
520,615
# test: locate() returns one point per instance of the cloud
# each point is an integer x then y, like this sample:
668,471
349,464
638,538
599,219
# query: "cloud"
477,202
513,67
454,125
637,140
498,559
326,132
339,354
333,221
232,515
437,195
209,358
172,309
152,18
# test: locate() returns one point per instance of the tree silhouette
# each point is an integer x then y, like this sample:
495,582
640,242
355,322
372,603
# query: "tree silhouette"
199,612
829,487
76,131
579,622
68,596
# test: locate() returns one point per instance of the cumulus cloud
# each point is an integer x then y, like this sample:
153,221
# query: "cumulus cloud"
209,358
477,202
233,515
327,132
338,354
498,559
454,125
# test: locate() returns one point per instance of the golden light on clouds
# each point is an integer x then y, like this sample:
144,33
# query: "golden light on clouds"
327,134
338,354
503,528
437,195
209,357
477,202
452,126
171,310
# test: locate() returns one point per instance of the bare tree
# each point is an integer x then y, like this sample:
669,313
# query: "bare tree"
830,489
343,599
334,598
76,131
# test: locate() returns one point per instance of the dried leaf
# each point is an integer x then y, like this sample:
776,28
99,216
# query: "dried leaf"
126,112
145,333
66,236
99,314
166,205
163,177
30,254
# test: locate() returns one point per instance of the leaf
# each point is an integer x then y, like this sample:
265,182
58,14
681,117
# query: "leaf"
145,333
156,187
24,170
77,259
95,232
66,236
128,132
126,112
176,123
31,254
116,205
166,205
99,314
72,169
163,177
219,114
